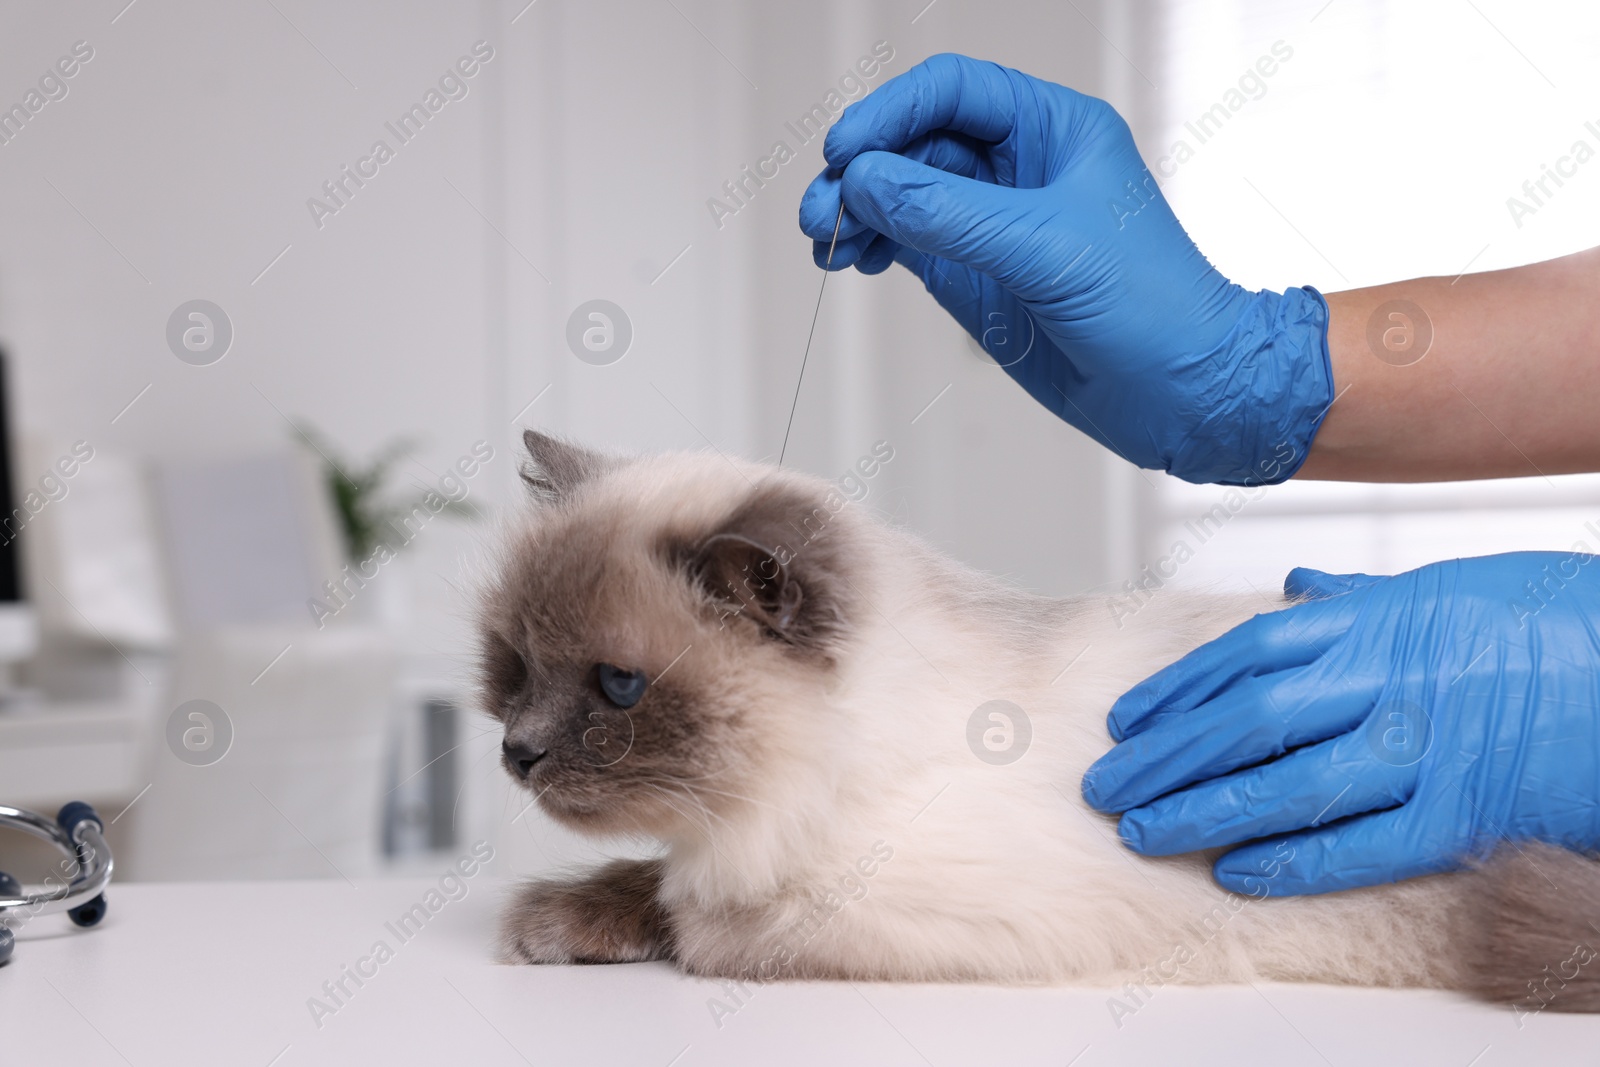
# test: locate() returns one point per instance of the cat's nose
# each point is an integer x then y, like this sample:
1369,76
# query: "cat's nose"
520,757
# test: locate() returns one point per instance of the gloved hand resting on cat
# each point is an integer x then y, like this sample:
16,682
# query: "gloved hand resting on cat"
1424,716
1028,214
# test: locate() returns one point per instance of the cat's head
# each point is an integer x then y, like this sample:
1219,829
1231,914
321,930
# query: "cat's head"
652,627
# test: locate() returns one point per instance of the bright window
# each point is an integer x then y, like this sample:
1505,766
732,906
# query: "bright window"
1384,145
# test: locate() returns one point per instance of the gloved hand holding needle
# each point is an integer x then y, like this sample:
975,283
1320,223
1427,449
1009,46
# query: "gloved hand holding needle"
1018,202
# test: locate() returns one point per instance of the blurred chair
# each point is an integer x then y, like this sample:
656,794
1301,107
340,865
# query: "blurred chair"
296,791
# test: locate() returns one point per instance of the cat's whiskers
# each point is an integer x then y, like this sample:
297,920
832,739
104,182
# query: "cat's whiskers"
709,814
720,855
724,769
666,798
693,794
455,809
700,803
737,796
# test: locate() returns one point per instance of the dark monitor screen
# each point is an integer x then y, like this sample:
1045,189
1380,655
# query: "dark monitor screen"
10,561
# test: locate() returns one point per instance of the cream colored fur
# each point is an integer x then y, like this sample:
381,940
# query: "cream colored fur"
999,873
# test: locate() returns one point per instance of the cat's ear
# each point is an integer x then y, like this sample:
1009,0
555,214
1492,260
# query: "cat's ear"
779,562
752,580
556,467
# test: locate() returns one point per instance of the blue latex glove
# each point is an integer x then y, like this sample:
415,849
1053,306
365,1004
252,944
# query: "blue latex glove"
1434,713
1026,211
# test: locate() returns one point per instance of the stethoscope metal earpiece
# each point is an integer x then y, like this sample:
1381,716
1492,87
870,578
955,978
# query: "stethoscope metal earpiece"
79,888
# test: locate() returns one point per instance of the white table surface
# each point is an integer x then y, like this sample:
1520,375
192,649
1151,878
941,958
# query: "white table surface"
221,974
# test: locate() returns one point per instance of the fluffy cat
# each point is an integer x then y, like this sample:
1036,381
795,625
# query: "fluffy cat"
795,700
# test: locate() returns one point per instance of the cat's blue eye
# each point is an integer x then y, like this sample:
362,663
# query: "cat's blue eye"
623,688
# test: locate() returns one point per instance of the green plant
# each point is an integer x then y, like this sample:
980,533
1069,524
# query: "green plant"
367,510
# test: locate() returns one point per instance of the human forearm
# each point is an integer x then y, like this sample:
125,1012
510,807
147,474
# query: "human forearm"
1509,386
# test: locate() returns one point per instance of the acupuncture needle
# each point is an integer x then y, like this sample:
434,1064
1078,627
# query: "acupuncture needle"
815,312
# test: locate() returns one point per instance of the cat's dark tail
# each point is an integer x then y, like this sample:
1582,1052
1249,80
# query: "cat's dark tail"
1532,930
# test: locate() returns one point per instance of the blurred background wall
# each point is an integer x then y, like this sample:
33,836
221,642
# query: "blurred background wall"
581,161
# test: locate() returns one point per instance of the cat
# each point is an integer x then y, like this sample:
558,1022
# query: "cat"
863,762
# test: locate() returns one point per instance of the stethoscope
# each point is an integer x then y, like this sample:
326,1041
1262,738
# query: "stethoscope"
84,872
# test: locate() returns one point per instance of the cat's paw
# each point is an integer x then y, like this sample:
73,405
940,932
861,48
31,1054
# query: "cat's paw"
612,916
544,924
